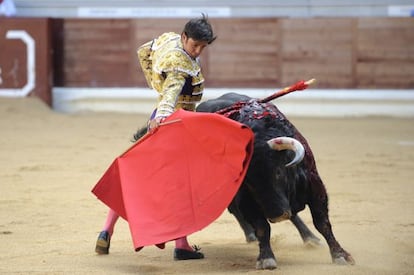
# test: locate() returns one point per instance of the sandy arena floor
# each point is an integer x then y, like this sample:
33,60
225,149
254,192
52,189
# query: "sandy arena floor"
49,219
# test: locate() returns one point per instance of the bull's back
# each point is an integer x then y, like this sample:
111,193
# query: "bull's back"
224,101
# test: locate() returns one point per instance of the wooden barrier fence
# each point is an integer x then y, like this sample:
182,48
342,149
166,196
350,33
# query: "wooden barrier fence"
252,52
351,53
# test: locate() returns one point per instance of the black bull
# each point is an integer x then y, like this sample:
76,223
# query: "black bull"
270,189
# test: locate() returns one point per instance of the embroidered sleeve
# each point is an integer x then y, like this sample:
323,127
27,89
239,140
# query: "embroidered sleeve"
144,57
172,87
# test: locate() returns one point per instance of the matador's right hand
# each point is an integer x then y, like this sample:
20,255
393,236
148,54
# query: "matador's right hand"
155,123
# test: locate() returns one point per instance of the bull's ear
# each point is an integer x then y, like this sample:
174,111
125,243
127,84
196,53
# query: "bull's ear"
288,143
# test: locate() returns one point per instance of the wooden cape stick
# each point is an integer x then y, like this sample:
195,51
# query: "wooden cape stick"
301,85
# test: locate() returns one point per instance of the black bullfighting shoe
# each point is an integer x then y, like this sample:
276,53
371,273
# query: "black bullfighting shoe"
183,254
103,243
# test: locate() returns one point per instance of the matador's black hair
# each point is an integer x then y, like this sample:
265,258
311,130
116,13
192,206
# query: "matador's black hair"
200,29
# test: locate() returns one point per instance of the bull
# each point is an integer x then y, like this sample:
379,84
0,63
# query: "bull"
271,190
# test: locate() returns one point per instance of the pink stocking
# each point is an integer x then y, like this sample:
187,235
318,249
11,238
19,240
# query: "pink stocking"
182,243
111,219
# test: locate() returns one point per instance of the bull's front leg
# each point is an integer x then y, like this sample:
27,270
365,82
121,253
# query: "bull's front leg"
266,258
254,216
319,209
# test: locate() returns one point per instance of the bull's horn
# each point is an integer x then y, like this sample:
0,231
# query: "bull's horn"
288,143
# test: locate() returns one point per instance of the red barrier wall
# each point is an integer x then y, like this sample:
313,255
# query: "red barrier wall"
26,57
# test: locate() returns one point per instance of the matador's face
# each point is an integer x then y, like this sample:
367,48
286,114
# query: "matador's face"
193,47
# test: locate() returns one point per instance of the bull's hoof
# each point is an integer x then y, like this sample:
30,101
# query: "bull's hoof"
251,237
268,263
312,242
344,260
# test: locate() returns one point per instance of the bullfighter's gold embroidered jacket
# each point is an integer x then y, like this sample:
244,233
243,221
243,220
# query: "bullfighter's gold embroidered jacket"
172,73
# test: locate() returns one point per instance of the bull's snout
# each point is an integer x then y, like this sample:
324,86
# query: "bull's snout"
285,216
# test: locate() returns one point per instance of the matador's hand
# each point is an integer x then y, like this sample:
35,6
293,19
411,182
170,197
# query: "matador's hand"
155,123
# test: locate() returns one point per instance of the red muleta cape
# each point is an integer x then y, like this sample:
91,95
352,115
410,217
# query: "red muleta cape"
179,179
